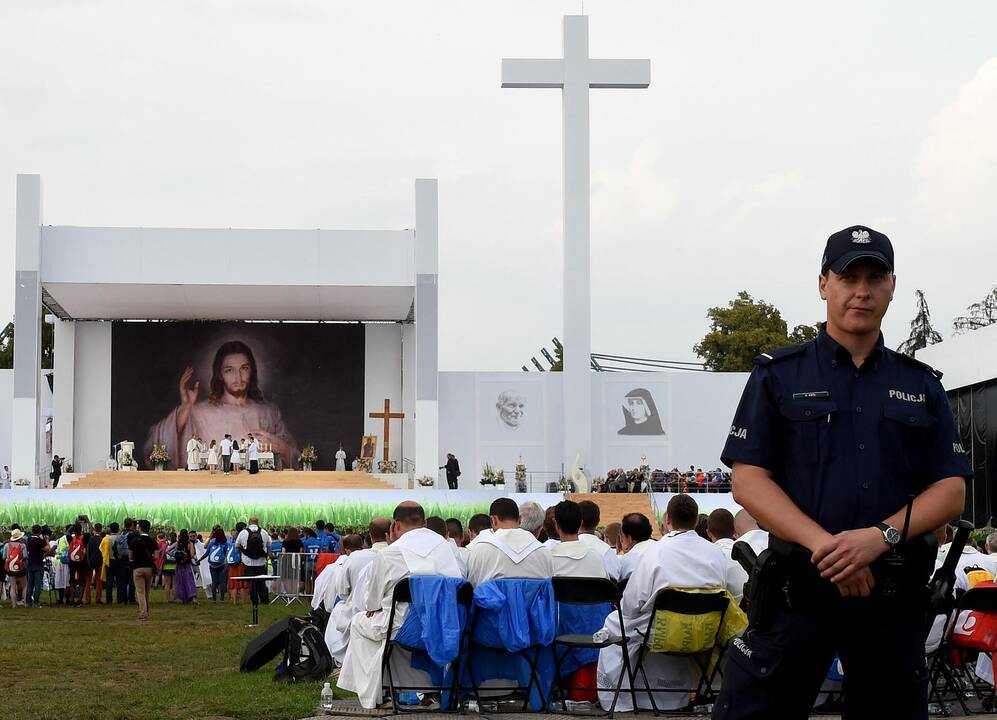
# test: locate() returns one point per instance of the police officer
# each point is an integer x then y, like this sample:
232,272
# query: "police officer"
831,441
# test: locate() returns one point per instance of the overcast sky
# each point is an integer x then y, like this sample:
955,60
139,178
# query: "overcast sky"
767,126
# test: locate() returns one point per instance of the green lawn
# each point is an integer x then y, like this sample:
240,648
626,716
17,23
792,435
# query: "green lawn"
99,662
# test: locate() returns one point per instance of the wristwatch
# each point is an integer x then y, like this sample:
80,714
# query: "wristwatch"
890,534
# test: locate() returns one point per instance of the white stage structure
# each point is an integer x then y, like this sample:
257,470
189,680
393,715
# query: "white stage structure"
574,74
88,276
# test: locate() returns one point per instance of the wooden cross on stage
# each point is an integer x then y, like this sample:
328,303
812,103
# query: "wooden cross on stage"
387,416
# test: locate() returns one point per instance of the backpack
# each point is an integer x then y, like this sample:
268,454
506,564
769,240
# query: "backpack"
233,556
120,546
15,559
181,556
306,656
216,555
254,545
77,550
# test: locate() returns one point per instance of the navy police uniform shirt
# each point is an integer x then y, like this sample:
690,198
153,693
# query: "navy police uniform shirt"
846,444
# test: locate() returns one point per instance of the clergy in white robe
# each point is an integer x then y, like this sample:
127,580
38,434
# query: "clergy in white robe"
635,540
479,524
203,566
193,454
681,559
746,529
720,528
351,588
573,558
414,551
590,521
340,460
508,551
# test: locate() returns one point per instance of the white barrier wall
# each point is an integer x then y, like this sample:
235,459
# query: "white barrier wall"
672,418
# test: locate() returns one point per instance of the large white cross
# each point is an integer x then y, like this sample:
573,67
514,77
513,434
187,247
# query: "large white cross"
575,73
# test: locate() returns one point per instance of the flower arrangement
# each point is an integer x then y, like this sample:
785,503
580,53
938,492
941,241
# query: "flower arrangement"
427,481
69,466
158,457
22,482
308,457
520,476
365,465
489,476
387,466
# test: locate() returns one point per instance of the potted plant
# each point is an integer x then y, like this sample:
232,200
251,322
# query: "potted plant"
388,467
427,481
157,458
487,475
365,465
500,477
308,457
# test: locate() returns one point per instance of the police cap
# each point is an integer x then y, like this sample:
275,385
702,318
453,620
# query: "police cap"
852,243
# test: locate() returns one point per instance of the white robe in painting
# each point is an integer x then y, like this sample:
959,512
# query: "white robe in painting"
609,556
340,460
630,559
507,553
736,575
350,587
680,560
577,559
213,420
417,552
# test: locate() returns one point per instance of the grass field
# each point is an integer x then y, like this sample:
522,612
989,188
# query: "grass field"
99,662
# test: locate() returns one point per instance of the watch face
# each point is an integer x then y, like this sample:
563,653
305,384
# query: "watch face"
892,535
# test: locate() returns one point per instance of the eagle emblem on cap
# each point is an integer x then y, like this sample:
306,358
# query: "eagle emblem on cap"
860,237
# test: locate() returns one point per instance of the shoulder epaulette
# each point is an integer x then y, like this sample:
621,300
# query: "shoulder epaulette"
773,355
920,365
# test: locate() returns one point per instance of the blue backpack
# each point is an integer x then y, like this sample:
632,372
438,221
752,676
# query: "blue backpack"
216,554
234,555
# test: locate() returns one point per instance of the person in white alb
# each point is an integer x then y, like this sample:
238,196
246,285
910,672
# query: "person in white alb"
573,558
340,460
531,518
478,525
253,455
508,551
635,541
590,521
414,550
681,559
720,528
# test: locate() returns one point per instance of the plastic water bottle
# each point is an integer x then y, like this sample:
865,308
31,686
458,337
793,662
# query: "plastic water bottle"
600,636
326,698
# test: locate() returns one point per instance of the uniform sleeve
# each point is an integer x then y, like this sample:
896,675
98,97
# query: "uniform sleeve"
947,457
751,438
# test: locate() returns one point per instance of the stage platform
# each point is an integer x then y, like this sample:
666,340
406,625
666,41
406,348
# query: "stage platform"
180,479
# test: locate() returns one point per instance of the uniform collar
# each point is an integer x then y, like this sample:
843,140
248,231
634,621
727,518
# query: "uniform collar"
839,353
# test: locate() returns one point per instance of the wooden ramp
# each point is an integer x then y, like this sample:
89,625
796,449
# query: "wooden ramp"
151,479
613,506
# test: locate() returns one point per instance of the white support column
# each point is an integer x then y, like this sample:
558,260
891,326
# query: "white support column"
64,389
427,441
27,329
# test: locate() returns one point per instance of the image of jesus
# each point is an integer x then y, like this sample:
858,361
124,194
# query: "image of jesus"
234,405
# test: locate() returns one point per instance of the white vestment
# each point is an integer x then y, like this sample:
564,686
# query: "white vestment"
681,560
630,559
460,553
416,552
736,575
351,591
340,461
609,556
484,533
551,543
574,558
193,455
758,540
204,567
507,553
324,591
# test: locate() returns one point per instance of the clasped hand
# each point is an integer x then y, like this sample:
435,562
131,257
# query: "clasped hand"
844,560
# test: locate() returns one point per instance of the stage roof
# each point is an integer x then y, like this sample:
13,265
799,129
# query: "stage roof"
227,274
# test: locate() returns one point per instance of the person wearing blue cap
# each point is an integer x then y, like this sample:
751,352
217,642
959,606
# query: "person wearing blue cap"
847,453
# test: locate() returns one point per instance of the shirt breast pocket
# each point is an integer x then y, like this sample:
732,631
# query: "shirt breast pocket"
906,436
808,424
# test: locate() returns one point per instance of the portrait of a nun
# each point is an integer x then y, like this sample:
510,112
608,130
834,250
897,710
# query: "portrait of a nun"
640,415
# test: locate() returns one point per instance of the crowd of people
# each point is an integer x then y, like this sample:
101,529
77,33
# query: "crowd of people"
637,480
87,563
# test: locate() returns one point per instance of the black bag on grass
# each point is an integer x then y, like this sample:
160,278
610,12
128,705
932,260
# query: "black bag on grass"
306,656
